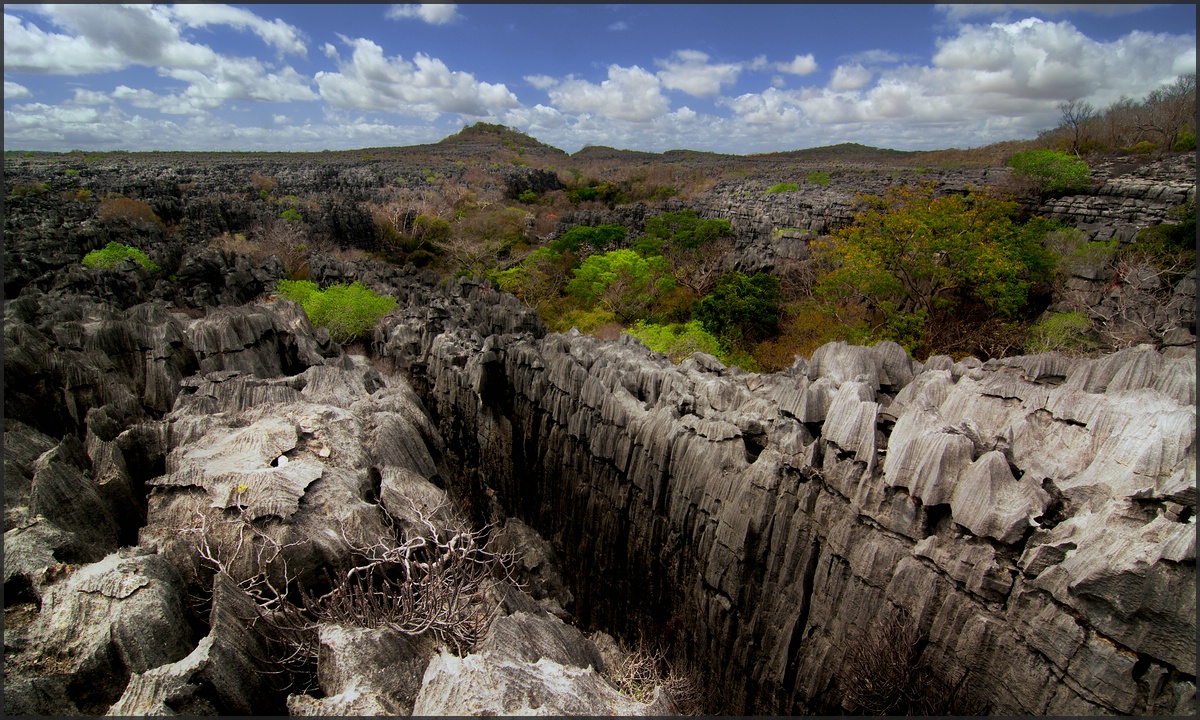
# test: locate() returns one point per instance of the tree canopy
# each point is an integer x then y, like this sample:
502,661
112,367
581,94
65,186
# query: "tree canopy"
912,256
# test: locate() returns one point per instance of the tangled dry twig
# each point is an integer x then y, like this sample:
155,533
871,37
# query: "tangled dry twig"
432,581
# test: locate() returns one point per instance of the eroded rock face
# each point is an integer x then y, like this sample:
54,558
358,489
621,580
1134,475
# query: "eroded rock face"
1035,515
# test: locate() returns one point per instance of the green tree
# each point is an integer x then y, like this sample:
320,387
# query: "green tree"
693,247
914,257
598,237
1051,171
741,309
622,281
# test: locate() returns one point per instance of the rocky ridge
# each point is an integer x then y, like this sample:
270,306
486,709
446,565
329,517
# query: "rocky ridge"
1035,516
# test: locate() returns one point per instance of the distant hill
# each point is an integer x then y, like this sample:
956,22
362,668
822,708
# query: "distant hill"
844,151
491,133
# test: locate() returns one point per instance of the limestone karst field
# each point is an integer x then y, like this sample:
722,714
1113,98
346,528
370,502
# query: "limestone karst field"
633,439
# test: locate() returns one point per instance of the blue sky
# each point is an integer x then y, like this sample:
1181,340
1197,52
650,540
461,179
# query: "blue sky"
717,77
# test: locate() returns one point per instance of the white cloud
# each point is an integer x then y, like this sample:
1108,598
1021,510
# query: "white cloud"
631,94
28,48
432,14
849,77
986,83
800,65
961,12
15,91
422,88
689,71
280,119
618,26
91,97
541,82
106,38
275,33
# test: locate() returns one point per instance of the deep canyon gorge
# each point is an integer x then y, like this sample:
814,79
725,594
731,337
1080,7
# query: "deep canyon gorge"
182,453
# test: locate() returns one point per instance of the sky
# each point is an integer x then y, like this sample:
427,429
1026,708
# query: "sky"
714,77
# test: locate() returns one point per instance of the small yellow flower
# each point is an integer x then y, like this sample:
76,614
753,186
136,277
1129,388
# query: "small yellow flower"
242,488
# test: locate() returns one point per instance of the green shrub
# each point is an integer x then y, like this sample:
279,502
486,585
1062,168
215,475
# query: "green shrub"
32,188
114,254
783,187
676,341
528,197
1051,171
818,178
348,312
1186,141
1068,333
1145,147
291,215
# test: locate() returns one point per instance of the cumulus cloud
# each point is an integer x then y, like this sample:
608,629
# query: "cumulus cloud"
276,33
432,14
91,97
989,83
690,71
15,91
58,128
541,82
106,38
961,12
800,65
849,77
631,94
424,87
619,26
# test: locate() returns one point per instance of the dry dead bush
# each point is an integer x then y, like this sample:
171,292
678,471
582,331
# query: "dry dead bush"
638,672
885,672
128,211
262,183
429,579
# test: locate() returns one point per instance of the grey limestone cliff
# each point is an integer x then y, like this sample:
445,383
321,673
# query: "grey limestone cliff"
1034,516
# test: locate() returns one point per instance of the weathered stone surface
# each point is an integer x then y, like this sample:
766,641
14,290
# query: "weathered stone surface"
365,671
225,673
528,665
697,493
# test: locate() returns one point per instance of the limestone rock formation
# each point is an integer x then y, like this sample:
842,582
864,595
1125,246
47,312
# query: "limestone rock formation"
764,519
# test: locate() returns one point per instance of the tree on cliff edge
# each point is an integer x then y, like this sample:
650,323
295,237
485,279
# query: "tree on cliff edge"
914,258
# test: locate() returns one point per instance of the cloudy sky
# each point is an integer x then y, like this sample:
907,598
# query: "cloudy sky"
724,78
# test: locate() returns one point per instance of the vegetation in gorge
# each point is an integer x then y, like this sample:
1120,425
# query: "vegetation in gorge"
348,312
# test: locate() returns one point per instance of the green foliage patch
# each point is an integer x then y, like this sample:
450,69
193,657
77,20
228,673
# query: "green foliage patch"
914,258
1051,171
348,312
677,341
783,187
1068,333
741,309
114,254
819,178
